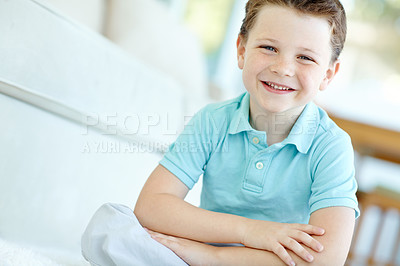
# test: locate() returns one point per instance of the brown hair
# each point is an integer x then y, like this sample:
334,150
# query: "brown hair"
332,10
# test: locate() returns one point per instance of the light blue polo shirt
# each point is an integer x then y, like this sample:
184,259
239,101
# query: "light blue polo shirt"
312,168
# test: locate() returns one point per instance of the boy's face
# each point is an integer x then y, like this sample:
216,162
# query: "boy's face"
285,60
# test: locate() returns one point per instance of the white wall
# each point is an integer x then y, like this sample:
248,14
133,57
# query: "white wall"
90,13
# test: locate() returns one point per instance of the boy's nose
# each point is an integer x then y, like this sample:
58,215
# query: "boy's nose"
282,67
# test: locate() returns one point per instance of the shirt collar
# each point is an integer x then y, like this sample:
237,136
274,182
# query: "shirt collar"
301,135
240,119
303,131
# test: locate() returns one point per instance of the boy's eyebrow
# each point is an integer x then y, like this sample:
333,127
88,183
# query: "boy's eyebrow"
309,50
267,39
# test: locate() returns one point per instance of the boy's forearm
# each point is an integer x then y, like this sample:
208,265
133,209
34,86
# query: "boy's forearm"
246,256
249,256
171,215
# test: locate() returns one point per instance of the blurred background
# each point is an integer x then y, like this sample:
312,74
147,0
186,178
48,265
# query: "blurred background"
194,43
366,90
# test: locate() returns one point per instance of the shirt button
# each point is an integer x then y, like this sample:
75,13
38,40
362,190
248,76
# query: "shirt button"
256,140
259,165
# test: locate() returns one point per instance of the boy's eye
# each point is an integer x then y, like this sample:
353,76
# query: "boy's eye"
270,48
303,57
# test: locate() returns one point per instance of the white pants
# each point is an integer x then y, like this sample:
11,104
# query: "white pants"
114,236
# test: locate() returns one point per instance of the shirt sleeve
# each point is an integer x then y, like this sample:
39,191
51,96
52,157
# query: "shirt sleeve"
188,155
334,181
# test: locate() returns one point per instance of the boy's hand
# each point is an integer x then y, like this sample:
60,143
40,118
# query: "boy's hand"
277,237
192,252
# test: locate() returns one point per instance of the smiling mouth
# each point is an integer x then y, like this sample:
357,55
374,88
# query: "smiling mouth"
277,87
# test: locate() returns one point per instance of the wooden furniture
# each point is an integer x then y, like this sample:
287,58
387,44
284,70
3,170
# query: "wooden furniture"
369,140
382,144
385,200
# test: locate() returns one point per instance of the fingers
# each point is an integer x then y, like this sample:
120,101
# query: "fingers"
298,249
168,241
157,235
310,229
301,234
281,252
308,240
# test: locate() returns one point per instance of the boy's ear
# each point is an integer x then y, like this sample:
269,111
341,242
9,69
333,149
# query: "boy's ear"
330,74
240,51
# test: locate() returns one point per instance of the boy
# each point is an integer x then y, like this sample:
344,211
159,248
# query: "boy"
271,160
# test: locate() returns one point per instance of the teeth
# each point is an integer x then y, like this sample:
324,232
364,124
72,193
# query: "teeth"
277,87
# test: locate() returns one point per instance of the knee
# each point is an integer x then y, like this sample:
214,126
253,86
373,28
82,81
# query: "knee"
102,238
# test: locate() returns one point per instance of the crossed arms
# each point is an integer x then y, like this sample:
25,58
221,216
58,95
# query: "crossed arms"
161,208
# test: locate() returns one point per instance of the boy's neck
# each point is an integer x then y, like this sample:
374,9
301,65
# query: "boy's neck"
277,126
